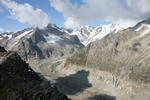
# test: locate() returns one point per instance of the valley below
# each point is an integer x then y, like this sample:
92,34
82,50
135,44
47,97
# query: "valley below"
80,83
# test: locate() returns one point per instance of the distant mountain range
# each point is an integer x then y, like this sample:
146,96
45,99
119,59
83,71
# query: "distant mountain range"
52,41
86,34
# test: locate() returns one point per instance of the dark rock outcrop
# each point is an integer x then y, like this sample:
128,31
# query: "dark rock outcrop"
19,82
2,49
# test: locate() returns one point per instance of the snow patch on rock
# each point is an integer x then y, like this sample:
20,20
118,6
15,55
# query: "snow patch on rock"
52,38
23,34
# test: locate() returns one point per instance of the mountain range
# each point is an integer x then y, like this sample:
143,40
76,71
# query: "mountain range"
106,62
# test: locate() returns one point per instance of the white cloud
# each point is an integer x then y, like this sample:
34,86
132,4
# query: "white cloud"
140,6
71,23
25,13
104,10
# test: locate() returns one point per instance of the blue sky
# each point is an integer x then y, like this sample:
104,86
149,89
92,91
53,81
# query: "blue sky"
70,13
55,17
13,25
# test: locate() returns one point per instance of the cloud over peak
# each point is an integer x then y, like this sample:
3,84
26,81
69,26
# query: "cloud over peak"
71,23
103,10
25,13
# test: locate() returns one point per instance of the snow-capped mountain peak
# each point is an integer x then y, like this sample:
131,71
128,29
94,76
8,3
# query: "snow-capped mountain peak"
52,33
88,34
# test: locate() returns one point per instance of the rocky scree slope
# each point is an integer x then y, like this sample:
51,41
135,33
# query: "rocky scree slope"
19,82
